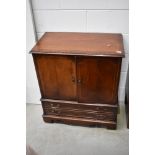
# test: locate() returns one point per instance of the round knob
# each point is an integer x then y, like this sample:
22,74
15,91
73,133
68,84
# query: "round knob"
73,79
79,81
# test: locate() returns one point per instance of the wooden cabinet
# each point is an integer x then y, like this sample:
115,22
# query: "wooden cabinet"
78,75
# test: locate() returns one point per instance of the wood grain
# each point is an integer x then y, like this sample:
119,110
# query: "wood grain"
77,121
57,76
89,44
98,81
103,112
78,75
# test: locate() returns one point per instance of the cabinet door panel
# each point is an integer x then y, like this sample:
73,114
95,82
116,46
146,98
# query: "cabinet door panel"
56,75
98,79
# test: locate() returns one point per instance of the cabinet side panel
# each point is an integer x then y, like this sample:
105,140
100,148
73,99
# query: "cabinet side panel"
37,72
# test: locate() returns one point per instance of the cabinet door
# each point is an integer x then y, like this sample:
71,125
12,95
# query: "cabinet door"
56,75
98,79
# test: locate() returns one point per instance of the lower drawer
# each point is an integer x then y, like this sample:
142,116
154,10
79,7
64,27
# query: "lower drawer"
77,110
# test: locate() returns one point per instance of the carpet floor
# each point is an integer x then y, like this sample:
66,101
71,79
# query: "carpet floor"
61,139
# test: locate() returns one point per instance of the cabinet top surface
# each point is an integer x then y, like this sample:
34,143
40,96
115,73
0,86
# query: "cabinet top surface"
74,43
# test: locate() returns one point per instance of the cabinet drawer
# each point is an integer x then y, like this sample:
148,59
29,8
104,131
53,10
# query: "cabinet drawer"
77,110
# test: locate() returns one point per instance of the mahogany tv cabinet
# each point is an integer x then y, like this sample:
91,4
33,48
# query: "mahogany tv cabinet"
78,75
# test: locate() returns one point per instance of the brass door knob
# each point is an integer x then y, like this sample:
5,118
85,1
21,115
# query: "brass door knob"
78,81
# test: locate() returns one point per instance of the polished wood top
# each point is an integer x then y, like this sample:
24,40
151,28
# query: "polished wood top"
74,43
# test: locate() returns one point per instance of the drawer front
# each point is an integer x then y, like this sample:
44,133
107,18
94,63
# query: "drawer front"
103,113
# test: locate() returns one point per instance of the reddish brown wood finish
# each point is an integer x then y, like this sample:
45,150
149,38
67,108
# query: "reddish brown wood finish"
57,76
91,44
77,121
78,75
98,79
62,109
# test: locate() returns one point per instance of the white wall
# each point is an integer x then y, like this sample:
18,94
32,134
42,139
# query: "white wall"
32,89
81,16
